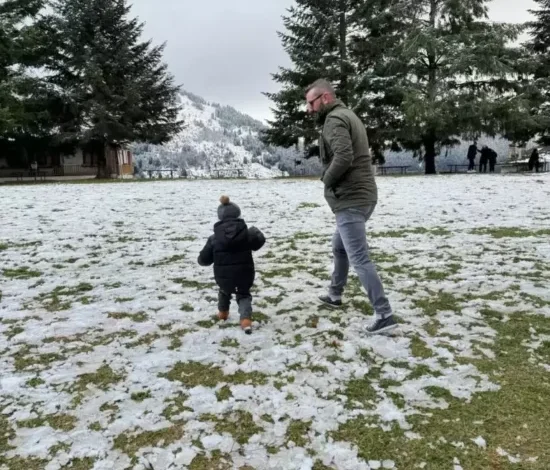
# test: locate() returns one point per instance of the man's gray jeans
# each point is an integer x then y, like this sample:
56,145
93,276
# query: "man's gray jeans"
349,245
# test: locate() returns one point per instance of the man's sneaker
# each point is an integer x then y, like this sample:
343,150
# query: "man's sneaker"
223,315
381,326
325,299
246,325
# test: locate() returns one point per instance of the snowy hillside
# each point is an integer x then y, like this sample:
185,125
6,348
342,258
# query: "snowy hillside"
217,137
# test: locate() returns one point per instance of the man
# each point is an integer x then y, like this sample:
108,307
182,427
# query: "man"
351,192
492,160
472,152
484,159
534,160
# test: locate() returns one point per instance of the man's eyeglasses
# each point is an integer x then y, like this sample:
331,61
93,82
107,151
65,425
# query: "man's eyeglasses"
310,103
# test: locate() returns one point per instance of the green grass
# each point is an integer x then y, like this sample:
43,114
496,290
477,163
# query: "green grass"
139,317
421,371
131,442
175,406
437,231
13,331
360,391
95,426
175,339
240,424
20,463
61,447
510,232
297,432
35,382
286,271
145,340
169,260
224,393
229,343
27,360
215,461
75,290
140,396
207,323
514,418
23,272
61,297
185,307
60,422
103,378
439,302
192,284
307,205
260,317
382,257
419,348
188,238
192,374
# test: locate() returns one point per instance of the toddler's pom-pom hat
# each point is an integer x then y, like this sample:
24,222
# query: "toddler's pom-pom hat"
228,209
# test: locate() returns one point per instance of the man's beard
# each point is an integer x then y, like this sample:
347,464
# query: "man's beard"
321,113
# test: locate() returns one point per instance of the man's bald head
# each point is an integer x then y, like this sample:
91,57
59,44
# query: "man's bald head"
321,86
318,95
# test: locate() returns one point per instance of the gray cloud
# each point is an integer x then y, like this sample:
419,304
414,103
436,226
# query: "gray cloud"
226,51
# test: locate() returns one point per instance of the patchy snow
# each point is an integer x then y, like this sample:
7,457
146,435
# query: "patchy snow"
511,458
102,298
480,442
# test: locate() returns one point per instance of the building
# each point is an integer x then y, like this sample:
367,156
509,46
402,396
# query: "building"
81,162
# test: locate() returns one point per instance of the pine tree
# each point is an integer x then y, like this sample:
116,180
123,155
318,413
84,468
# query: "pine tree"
115,88
343,41
317,39
21,106
455,73
378,32
535,118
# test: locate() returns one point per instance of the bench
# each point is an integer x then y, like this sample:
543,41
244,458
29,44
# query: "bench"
227,172
173,173
37,174
518,167
383,170
523,167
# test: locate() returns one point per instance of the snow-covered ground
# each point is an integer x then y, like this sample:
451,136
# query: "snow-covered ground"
111,358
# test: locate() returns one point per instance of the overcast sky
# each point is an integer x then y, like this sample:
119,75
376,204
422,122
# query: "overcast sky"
225,50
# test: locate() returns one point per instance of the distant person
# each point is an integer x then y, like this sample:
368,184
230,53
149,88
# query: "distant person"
484,159
352,194
230,250
472,153
492,161
534,160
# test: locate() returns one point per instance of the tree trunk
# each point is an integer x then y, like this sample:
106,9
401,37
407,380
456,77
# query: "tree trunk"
344,86
429,142
25,155
103,171
429,156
